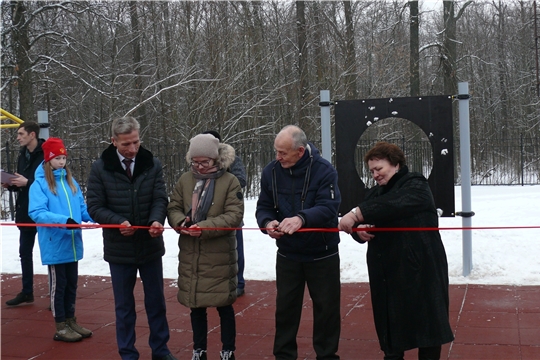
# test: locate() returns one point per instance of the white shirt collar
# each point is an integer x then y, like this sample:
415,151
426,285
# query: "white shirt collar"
121,157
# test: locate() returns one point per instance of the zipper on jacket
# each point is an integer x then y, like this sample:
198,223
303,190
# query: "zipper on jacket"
70,214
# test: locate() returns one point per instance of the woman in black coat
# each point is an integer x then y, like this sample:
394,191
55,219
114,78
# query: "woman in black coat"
408,270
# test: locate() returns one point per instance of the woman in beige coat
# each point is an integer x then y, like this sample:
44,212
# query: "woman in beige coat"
205,208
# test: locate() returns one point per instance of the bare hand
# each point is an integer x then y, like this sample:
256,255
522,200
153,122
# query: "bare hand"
156,229
185,223
127,231
290,225
272,229
194,230
19,181
347,222
364,235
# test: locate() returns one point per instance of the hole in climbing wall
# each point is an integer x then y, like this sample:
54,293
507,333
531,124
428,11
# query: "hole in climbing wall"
401,132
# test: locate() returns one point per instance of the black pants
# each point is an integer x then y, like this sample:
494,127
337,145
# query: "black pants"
63,286
427,353
241,261
323,281
27,239
199,324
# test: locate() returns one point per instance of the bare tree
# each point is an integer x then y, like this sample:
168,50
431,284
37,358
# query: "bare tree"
449,51
414,60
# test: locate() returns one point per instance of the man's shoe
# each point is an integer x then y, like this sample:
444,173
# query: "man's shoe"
65,333
21,298
239,292
226,355
199,354
84,332
166,357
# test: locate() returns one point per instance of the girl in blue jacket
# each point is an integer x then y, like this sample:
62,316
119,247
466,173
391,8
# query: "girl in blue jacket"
56,198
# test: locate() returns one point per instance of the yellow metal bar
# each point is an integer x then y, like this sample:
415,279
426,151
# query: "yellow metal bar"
9,126
11,116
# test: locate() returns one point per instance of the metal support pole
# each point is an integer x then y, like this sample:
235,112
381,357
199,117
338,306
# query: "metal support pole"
465,157
43,120
326,135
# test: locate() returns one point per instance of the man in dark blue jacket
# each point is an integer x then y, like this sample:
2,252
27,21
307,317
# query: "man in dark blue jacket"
30,156
299,190
126,187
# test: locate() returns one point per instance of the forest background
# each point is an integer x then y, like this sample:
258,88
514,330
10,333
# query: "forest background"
247,68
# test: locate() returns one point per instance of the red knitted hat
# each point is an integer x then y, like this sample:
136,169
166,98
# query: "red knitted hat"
52,148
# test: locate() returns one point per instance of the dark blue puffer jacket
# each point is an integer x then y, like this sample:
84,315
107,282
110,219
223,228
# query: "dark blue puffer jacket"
113,198
308,189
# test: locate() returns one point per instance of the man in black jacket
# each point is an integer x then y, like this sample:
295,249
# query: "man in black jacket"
126,188
299,190
30,156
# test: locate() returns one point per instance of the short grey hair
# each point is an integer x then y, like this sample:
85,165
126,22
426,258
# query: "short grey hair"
124,125
298,136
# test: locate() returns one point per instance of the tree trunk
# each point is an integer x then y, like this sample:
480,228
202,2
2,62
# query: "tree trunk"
350,58
414,59
449,49
23,67
302,63
137,65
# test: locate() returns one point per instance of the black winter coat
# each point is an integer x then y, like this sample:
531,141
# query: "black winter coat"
408,270
113,198
26,168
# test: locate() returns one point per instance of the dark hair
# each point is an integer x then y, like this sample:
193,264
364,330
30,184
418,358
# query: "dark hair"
214,134
386,151
30,127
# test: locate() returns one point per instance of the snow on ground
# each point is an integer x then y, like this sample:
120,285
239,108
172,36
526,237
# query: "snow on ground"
501,256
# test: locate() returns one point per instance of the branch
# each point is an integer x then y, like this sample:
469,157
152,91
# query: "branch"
462,9
165,89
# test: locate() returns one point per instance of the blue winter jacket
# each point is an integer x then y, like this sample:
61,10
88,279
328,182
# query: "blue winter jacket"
308,189
58,245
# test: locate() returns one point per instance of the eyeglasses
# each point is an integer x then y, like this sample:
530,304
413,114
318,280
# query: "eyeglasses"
204,164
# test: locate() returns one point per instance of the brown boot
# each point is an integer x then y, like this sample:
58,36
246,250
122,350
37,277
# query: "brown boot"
65,333
72,323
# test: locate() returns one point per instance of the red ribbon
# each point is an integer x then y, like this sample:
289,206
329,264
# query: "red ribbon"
371,229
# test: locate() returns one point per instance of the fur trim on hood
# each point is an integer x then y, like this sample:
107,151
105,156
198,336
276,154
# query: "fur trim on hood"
225,158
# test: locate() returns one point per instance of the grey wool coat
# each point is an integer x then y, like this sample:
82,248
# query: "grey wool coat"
408,270
208,264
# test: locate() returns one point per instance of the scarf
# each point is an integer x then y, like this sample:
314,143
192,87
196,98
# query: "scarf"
203,193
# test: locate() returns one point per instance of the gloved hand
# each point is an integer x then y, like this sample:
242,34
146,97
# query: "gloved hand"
71,221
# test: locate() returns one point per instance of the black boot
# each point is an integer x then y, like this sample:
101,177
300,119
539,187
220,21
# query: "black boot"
21,298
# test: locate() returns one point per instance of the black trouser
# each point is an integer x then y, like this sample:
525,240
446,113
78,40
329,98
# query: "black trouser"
63,286
323,282
124,277
426,353
199,324
241,261
27,239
